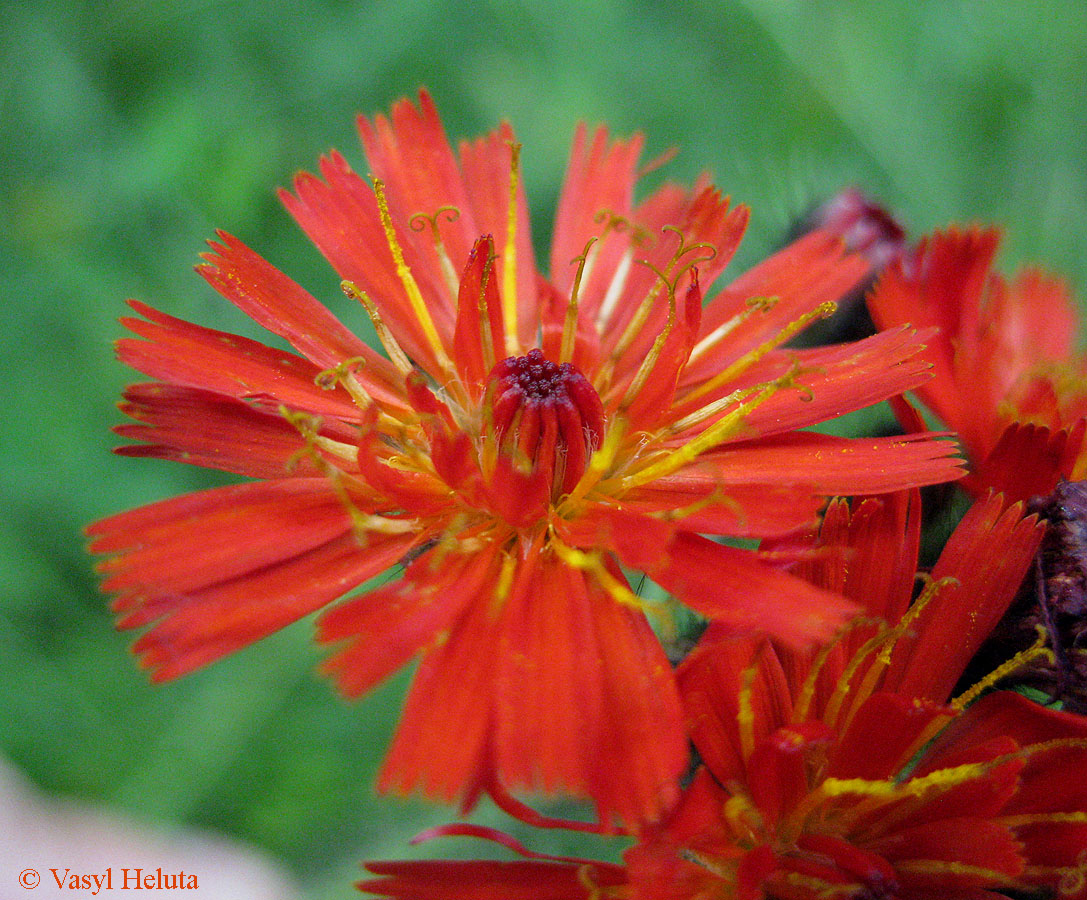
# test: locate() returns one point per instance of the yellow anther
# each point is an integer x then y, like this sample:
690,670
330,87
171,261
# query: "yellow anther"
411,287
505,582
593,563
745,712
804,699
392,347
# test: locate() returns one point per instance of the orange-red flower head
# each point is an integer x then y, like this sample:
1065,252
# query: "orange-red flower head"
1006,374
521,440
847,771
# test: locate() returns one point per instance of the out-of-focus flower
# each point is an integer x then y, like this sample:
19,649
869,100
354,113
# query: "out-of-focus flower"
520,440
821,774
865,226
1006,377
1053,598
847,771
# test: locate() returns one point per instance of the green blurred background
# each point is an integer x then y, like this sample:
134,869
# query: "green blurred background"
130,130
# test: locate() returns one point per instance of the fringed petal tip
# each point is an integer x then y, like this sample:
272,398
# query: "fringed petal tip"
1029,460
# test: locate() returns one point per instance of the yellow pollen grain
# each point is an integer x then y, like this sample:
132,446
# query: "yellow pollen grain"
411,287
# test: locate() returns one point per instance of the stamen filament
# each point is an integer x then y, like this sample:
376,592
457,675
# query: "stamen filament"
1022,658
615,289
569,325
822,311
420,221
754,305
509,258
647,364
411,286
486,338
392,347
719,431
362,523
807,691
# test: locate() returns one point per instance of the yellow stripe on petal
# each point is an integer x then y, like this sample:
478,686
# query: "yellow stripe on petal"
509,258
411,286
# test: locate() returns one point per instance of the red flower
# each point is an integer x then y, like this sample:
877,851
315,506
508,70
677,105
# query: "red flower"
813,784
846,771
520,441
1006,376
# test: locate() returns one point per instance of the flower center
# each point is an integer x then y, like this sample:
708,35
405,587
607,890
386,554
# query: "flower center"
548,418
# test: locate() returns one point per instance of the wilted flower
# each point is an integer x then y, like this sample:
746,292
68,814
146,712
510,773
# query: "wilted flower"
519,442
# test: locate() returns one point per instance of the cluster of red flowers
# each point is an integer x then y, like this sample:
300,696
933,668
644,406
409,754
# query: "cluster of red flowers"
526,442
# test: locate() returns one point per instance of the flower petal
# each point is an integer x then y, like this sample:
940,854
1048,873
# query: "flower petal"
835,465
382,630
586,699
809,272
223,568
207,429
719,582
189,355
489,880
987,557
276,302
